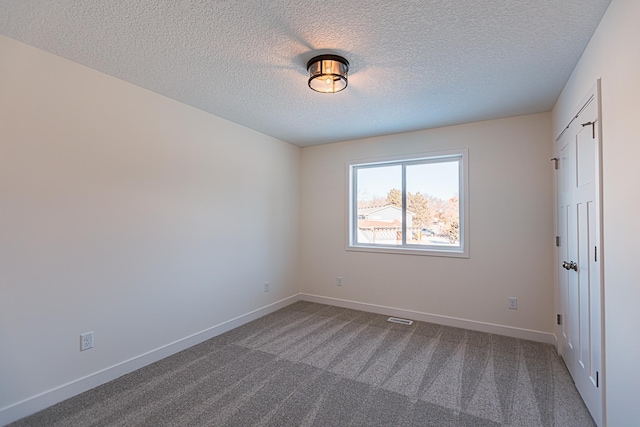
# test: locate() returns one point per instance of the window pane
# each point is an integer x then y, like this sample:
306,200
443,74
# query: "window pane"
379,205
433,187
432,204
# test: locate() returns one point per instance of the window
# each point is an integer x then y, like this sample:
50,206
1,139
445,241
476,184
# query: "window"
414,205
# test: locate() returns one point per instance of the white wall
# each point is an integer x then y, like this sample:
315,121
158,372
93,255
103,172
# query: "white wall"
511,226
128,214
614,56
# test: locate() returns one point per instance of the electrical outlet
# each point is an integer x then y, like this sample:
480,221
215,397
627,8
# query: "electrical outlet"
339,281
266,286
513,303
86,341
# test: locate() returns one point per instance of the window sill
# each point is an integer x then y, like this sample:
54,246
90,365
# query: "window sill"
450,253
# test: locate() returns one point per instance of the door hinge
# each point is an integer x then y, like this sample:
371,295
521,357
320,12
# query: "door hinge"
558,241
597,379
559,319
555,160
595,253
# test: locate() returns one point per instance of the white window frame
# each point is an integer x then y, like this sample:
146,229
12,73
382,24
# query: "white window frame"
461,251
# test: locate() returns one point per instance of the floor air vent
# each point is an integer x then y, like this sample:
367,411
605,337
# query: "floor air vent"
398,320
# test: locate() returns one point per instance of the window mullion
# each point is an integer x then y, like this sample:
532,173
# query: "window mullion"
404,204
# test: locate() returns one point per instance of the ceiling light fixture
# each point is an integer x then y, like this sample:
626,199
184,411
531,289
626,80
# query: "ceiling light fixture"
328,73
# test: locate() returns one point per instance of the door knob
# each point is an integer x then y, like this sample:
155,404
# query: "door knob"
573,266
565,265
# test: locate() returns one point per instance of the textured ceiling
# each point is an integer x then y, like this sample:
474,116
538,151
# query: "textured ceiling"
414,64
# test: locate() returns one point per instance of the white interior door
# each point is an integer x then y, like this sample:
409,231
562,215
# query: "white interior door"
580,255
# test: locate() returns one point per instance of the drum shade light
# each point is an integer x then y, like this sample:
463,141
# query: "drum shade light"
328,73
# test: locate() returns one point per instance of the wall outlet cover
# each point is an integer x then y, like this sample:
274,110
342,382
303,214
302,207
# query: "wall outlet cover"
86,341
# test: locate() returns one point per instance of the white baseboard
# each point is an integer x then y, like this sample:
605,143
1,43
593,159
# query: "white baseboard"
43,400
509,331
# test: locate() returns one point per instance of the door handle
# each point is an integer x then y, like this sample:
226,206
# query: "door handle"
570,265
565,265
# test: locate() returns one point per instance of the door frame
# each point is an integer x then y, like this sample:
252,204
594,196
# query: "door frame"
593,95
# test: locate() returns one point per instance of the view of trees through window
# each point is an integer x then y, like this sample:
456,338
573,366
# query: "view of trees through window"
432,215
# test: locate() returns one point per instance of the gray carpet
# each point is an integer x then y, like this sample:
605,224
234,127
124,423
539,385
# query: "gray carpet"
316,365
